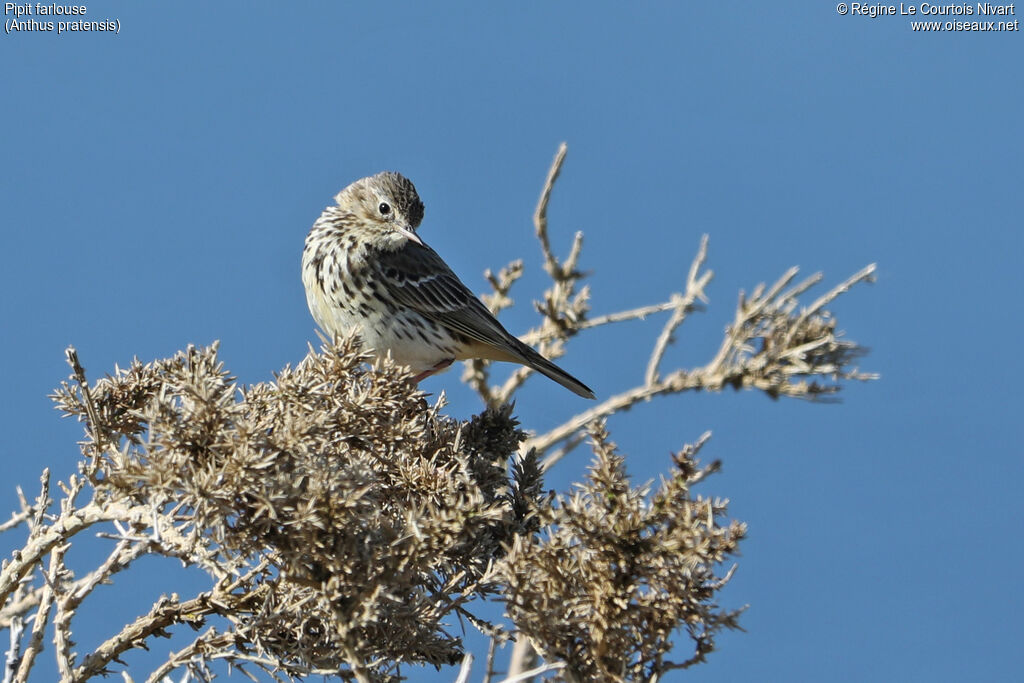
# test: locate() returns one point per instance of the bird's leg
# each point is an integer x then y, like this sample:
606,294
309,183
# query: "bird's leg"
432,371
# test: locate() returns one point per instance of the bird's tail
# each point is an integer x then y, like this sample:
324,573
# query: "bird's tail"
542,365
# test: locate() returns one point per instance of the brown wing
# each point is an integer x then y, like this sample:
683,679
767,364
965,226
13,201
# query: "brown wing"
418,278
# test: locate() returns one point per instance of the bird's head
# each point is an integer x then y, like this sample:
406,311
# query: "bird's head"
388,205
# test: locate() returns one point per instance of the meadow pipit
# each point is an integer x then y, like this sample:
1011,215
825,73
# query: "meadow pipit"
367,271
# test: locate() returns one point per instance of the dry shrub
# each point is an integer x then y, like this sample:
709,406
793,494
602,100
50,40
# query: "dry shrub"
347,525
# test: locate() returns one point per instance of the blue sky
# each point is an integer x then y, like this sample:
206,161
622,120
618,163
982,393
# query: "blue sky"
157,186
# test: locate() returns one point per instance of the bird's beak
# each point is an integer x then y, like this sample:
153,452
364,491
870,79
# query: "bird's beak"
410,235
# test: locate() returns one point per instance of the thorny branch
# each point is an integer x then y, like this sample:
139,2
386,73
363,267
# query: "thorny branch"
343,521
769,346
681,306
564,308
777,369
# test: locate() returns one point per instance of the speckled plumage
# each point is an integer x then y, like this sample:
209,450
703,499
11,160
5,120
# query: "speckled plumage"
365,270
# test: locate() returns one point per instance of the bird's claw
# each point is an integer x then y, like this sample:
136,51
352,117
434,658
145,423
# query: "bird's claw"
432,371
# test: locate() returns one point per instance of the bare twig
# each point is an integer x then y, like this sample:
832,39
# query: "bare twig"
683,304
123,554
523,656
767,314
526,675
62,619
866,274
164,613
542,334
23,600
464,669
540,215
208,642
16,519
13,658
571,443
563,308
676,382
42,542
492,648
95,429
356,663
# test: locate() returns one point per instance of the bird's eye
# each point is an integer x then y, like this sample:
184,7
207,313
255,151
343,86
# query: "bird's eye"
384,208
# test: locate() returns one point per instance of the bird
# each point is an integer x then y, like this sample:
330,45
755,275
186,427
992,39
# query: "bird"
366,271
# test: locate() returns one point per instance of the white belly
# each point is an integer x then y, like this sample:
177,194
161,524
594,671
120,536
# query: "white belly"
410,338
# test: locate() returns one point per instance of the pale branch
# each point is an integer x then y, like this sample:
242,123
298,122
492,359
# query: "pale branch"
355,661
43,502
492,649
515,380
767,312
65,527
16,520
791,294
758,316
208,642
573,259
501,284
18,607
477,372
683,304
54,539
465,668
689,453
763,299
214,644
522,658
538,335
570,444
754,306
540,215
124,553
865,274
677,381
56,579
755,318
727,577
536,671
93,427
11,661
562,308
21,603
166,612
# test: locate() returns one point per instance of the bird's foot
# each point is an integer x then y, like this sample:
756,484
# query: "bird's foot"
433,371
